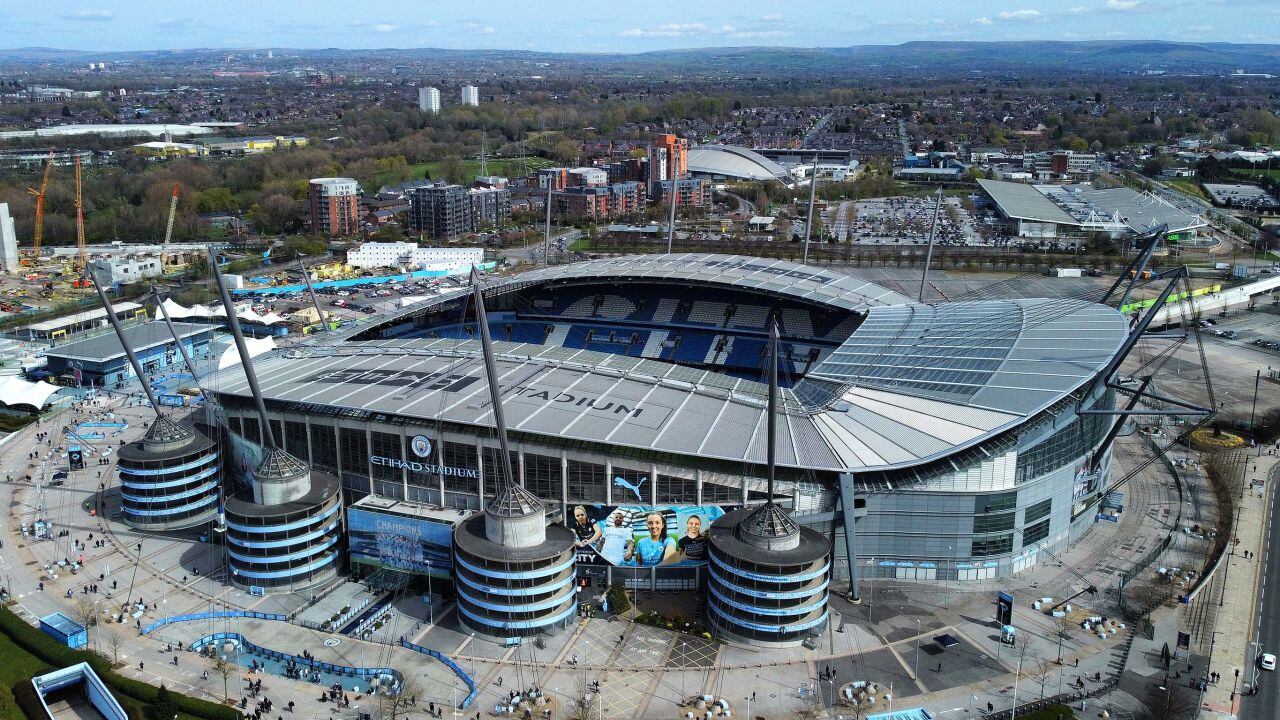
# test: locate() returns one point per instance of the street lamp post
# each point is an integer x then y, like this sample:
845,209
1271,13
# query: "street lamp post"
431,598
915,671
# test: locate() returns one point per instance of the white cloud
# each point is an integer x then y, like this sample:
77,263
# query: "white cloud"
668,30
982,21
385,28
482,29
701,29
1025,14
1078,10
772,18
89,15
1122,4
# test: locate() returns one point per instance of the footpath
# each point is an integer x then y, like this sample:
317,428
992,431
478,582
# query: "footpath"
1234,626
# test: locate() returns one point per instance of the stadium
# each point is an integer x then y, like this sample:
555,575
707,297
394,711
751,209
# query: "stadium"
926,441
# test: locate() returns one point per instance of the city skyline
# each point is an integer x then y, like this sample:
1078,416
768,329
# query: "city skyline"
663,25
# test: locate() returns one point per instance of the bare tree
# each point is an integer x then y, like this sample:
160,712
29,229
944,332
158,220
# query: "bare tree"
1039,671
393,706
1173,702
83,612
584,702
1062,631
113,644
224,668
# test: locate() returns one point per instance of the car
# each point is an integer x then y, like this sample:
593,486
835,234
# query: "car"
1267,661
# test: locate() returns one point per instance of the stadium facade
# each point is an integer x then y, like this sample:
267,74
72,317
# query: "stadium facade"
942,441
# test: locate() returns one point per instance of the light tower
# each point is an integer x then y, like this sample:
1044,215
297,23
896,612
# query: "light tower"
284,529
514,574
768,576
171,478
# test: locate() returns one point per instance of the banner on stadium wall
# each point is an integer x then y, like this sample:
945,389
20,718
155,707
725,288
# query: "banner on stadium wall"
416,545
246,456
642,535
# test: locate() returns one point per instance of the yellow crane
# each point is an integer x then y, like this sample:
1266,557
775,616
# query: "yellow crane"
82,264
173,209
34,259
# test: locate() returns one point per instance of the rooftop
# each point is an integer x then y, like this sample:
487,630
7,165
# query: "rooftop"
105,347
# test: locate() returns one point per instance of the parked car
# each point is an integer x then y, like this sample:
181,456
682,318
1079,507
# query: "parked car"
1267,661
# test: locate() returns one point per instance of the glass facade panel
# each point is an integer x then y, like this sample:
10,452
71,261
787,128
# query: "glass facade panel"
463,457
324,448
1033,534
718,491
252,430
542,476
996,503
493,469
997,545
295,439
676,490
355,451
388,446
998,522
586,482
1038,510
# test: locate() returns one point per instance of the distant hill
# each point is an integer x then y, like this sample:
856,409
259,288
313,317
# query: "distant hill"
906,59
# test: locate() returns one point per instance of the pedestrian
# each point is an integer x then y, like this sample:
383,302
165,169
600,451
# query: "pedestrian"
141,666
1077,662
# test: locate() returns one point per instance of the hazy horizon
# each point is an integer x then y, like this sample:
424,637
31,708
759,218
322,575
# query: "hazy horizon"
578,26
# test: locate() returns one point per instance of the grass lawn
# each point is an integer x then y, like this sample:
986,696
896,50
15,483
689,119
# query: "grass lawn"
1252,173
582,244
18,665
1187,186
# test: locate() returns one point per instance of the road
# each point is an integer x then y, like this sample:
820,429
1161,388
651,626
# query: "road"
1263,705
533,252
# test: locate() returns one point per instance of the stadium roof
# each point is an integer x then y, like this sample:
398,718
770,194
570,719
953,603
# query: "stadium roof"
733,162
1024,202
106,346
1110,209
804,282
913,383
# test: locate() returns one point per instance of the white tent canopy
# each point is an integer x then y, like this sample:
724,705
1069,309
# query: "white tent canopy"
16,391
244,311
255,346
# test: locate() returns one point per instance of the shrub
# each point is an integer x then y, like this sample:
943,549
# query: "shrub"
619,602
24,696
58,655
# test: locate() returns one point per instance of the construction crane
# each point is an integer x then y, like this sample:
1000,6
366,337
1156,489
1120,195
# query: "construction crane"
39,224
82,264
173,209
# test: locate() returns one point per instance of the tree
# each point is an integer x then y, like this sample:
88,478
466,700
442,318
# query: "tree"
583,703
114,642
164,707
393,706
224,668
619,602
1039,672
8,706
1173,701
1062,631
84,613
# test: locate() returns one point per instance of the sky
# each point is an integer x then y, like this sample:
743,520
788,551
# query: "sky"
611,26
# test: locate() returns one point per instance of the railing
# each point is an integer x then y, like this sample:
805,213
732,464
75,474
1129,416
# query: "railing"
462,675
295,659
217,614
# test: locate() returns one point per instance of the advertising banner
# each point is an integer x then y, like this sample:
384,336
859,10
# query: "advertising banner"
642,535
415,545
246,456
